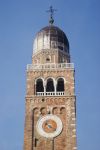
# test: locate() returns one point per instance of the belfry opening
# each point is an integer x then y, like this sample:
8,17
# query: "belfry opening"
60,84
50,85
39,86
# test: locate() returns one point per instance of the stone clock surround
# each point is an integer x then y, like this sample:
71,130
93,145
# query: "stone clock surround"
53,121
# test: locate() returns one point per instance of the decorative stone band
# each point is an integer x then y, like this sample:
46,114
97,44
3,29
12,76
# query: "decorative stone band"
50,66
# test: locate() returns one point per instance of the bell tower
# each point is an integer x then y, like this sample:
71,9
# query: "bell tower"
50,117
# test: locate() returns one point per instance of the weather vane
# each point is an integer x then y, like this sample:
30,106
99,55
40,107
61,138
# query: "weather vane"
51,11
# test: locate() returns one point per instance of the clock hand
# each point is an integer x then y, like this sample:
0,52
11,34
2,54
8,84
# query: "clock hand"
50,126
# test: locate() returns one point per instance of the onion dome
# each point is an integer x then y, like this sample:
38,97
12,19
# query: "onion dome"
51,37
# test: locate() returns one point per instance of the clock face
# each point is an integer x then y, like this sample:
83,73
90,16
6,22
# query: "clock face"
49,126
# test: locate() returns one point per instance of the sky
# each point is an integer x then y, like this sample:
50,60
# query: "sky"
20,20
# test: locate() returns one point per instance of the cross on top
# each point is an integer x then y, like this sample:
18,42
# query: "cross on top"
51,11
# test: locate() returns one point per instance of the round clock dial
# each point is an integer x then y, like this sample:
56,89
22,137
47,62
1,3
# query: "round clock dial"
49,126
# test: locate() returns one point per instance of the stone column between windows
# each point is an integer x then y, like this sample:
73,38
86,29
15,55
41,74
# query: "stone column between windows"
44,85
55,89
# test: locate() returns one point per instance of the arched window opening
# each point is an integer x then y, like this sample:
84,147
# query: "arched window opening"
55,110
62,110
39,86
50,86
60,85
43,111
48,59
35,111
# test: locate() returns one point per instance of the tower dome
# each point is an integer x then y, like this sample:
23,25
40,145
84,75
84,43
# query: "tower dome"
51,37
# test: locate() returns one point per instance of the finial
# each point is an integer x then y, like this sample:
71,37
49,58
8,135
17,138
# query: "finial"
51,11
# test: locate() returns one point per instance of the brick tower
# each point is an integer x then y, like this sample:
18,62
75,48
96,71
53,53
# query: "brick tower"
50,117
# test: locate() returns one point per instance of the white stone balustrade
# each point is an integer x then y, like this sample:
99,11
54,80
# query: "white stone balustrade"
50,93
50,66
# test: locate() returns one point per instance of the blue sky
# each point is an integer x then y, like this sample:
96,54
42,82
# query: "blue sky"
20,20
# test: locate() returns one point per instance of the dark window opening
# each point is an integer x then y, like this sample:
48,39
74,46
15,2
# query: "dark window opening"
60,47
50,86
36,142
48,60
39,86
60,85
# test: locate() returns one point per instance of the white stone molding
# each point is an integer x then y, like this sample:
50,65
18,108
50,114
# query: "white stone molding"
73,136
41,131
73,118
74,148
73,113
74,130
46,79
39,78
61,77
50,66
73,125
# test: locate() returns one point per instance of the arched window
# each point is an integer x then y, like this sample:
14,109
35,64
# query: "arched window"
39,85
48,59
62,110
55,110
50,85
60,85
43,111
35,110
